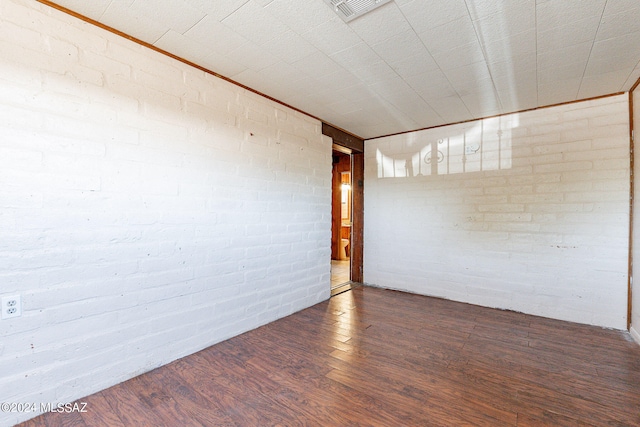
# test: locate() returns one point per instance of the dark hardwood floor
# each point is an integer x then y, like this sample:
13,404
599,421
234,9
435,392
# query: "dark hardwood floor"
373,357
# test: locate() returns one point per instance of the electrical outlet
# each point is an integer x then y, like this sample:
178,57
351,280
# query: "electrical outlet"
11,307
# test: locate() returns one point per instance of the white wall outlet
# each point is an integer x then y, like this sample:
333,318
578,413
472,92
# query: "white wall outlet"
11,307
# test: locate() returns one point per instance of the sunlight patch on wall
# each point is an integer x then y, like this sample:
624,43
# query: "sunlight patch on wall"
484,145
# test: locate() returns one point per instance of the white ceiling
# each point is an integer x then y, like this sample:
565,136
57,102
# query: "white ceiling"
407,65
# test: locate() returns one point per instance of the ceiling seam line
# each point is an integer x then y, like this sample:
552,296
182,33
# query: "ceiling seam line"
595,37
235,10
199,21
431,56
484,55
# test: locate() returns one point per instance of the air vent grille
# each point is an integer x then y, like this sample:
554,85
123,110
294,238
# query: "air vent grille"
349,10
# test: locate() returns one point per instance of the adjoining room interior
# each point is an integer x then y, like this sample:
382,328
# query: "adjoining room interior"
176,178
341,218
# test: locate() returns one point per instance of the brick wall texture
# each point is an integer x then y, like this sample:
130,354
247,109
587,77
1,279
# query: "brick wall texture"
527,212
148,209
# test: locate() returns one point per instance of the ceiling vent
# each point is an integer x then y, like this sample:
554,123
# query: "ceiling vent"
349,10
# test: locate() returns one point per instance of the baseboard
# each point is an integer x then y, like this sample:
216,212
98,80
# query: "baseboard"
634,334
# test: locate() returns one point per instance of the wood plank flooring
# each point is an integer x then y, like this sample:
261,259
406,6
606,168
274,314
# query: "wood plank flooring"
373,357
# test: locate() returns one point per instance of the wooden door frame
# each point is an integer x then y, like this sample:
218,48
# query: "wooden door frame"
357,227
354,146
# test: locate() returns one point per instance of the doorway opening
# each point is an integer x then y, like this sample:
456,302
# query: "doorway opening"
347,219
341,218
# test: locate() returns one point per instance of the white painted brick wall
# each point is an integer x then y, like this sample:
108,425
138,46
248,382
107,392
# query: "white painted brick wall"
539,225
635,296
148,210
